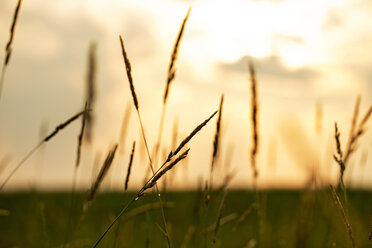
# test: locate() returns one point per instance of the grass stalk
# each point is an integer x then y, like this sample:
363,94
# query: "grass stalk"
344,217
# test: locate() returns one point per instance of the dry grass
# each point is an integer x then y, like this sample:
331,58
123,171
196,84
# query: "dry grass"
8,47
217,134
81,135
356,131
128,69
163,171
129,166
254,110
192,134
91,90
104,169
339,158
172,69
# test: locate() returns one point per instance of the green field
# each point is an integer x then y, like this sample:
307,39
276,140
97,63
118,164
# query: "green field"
285,219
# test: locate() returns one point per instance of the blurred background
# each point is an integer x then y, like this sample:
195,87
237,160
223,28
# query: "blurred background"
312,60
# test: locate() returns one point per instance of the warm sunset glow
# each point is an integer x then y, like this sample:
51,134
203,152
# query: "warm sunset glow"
304,52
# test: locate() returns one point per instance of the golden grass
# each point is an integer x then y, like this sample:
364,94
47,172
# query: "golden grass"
254,110
339,159
171,68
192,134
104,169
217,134
163,171
8,47
129,166
80,137
128,69
91,90
356,131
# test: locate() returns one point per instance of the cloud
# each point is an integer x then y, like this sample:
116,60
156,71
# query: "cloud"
271,66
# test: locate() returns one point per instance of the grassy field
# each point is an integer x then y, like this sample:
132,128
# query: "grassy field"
286,219
316,216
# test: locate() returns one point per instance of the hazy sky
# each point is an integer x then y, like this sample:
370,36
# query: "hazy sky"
305,52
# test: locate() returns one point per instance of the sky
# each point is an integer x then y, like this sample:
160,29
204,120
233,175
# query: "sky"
308,55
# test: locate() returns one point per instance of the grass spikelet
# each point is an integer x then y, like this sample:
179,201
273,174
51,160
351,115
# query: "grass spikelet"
354,121
254,110
91,90
217,134
163,171
344,217
128,69
172,69
192,134
46,139
339,159
129,166
81,135
220,212
8,47
355,135
104,169
356,131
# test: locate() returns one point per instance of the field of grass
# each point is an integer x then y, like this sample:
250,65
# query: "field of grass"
288,219
315,216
